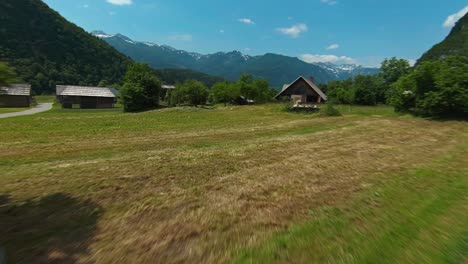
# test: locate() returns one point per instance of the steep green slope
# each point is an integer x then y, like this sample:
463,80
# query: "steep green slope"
456,43
46,49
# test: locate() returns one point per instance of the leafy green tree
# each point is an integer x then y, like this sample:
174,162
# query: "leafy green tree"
133,97
141,88
247,87
7,74
341,92
403,96
435,88
392,69
221,92
364,90
190,92
196,92
257,90
262,90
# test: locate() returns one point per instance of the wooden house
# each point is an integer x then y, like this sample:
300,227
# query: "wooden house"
16,95
86,97
302,91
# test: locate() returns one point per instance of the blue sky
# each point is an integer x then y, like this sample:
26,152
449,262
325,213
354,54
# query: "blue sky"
340,31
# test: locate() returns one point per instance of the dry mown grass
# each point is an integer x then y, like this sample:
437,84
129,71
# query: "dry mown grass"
202,194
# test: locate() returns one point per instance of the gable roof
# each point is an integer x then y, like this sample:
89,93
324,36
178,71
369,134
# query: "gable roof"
309,82
69,90
16,89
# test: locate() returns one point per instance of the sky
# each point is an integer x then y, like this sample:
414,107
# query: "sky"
340,31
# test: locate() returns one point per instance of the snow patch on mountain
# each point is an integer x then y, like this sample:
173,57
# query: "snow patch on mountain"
101,34
150,44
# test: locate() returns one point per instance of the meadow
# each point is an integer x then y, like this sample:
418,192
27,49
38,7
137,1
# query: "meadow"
250,184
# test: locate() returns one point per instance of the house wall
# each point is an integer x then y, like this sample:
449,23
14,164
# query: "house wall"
15,101
87,102
301,88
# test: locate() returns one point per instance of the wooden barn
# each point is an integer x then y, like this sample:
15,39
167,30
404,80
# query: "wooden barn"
302,91
16,95
86,97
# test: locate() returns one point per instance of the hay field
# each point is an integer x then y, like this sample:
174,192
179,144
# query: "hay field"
233,184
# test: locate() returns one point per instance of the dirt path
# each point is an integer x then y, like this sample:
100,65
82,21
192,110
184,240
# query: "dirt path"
38,109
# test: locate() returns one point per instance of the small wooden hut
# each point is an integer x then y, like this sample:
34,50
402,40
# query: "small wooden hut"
86,97
16,95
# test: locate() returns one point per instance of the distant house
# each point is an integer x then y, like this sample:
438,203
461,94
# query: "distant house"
302,90
168,87
16,95
86,97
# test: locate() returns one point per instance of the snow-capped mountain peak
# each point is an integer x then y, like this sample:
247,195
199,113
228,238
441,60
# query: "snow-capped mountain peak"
101,34
150,44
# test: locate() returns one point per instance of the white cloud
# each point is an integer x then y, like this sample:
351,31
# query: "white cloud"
181,37
221,31
120,2
452,19
293,31
246,21
85,6
329,2
333,46
310,58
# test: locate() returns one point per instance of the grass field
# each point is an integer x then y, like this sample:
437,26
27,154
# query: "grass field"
233,184
11,109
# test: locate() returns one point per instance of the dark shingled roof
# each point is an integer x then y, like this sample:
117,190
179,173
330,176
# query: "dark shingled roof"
309,82
16,89
69,90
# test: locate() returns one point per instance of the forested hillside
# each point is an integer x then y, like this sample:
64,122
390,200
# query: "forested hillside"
46,49
455,44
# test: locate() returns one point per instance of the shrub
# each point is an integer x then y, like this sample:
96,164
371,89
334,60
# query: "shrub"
329,110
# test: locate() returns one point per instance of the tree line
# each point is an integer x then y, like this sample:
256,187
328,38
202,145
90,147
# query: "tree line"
142,90
368,89
432,88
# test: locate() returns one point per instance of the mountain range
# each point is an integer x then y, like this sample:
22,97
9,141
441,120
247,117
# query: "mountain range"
277,69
